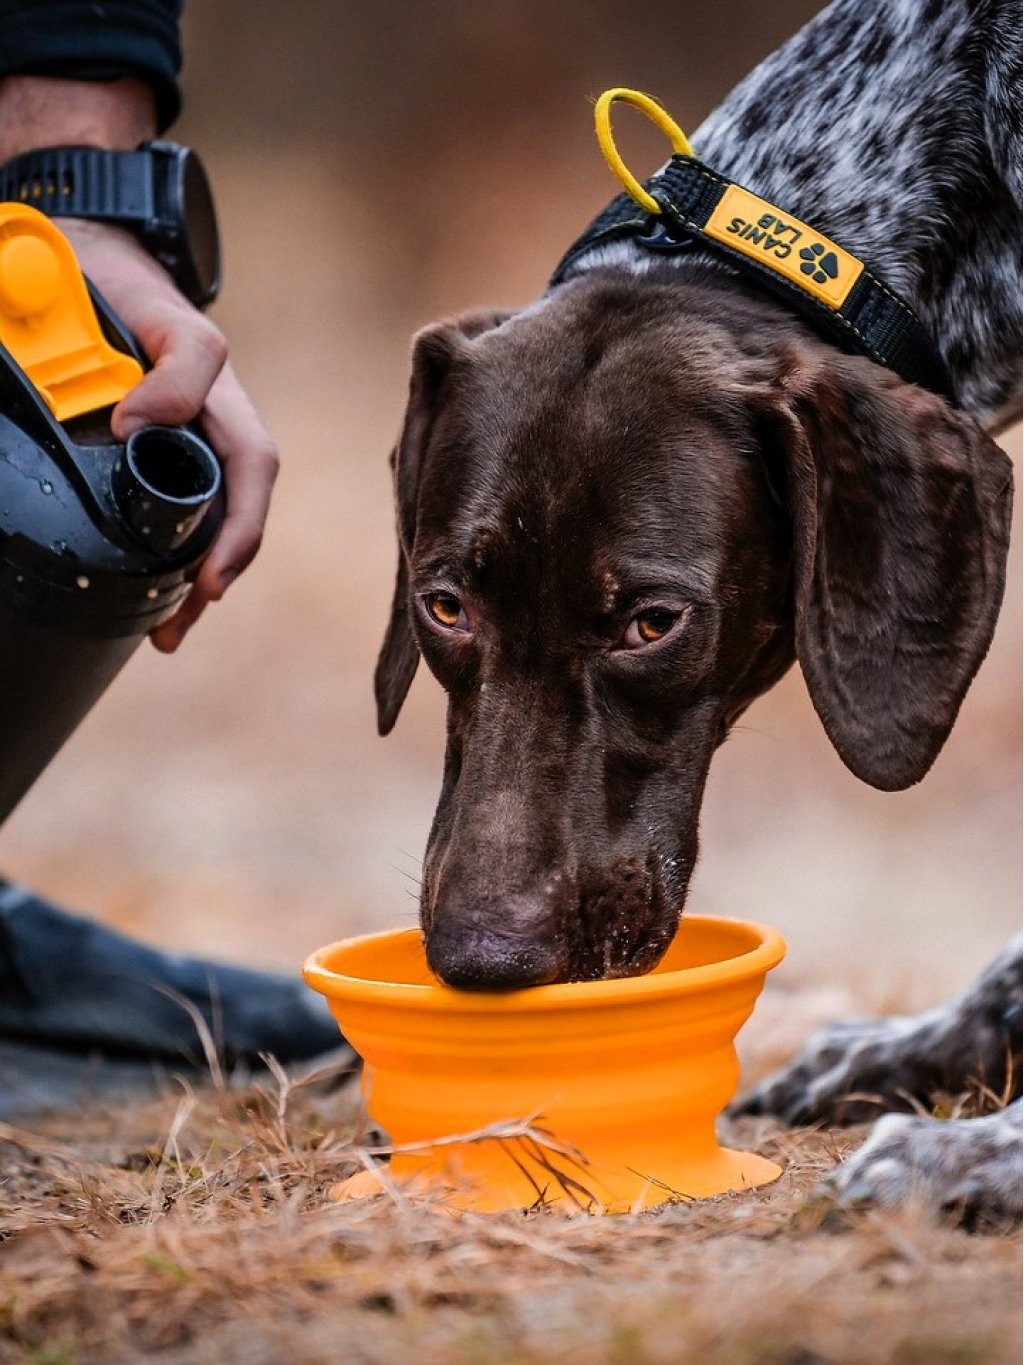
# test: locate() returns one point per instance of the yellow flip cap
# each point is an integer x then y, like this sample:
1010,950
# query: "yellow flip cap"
47,320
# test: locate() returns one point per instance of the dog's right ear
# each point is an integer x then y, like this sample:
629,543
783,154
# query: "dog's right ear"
435,351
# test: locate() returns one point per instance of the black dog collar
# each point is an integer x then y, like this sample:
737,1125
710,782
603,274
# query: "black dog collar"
826,285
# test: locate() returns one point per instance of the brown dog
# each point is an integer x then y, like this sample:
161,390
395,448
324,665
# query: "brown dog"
625,510
621,513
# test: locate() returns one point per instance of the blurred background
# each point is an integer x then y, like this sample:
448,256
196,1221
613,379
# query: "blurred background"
377,166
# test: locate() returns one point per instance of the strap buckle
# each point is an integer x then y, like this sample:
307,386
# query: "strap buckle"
664,234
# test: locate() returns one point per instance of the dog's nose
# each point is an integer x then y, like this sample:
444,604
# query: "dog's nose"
477,960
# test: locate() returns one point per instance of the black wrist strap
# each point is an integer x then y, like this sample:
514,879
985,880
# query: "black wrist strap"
83,182
829,287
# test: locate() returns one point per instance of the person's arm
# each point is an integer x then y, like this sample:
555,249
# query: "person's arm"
190,375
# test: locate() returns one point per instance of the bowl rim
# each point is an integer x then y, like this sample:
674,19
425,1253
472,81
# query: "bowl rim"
757,961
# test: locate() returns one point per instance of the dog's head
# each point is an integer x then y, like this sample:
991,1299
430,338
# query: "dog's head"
620,514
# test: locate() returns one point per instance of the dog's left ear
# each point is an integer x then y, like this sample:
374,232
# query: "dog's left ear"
901,519
436,352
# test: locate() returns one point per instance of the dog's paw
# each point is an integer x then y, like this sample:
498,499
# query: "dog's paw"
846,1073
967,1169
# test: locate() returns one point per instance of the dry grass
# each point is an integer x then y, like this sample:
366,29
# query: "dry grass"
198,1228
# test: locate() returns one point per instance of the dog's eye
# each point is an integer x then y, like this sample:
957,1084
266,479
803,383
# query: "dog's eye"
649,626
446,609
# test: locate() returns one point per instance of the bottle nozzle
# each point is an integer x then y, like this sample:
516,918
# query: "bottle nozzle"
163,484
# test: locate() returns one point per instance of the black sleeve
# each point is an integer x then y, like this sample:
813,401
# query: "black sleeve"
90,41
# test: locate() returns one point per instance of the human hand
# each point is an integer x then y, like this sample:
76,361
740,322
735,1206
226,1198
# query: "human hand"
191,378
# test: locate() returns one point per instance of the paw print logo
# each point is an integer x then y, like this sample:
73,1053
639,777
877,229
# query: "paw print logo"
820,264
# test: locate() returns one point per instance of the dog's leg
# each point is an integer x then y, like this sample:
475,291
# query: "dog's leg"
970,1168
852,1070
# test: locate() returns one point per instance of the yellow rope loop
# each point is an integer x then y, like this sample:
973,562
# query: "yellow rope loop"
657,115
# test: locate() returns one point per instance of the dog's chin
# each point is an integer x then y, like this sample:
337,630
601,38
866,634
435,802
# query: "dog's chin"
623,925
606,962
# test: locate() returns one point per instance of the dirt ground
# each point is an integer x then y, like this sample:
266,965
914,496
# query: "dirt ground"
374,171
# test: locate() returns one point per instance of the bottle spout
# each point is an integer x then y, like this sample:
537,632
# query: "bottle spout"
163,483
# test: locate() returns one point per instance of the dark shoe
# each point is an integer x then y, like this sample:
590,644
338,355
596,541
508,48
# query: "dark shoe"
66,982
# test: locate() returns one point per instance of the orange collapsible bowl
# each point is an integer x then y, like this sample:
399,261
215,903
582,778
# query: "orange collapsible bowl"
623,1079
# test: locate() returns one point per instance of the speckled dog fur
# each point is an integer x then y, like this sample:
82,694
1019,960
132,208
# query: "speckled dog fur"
896,127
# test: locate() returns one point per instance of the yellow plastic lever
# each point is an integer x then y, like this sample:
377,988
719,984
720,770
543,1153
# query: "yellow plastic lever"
47,320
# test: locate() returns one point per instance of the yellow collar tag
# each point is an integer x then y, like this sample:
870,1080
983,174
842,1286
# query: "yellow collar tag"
781,242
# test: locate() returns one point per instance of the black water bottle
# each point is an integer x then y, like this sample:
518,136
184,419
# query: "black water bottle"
98,543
